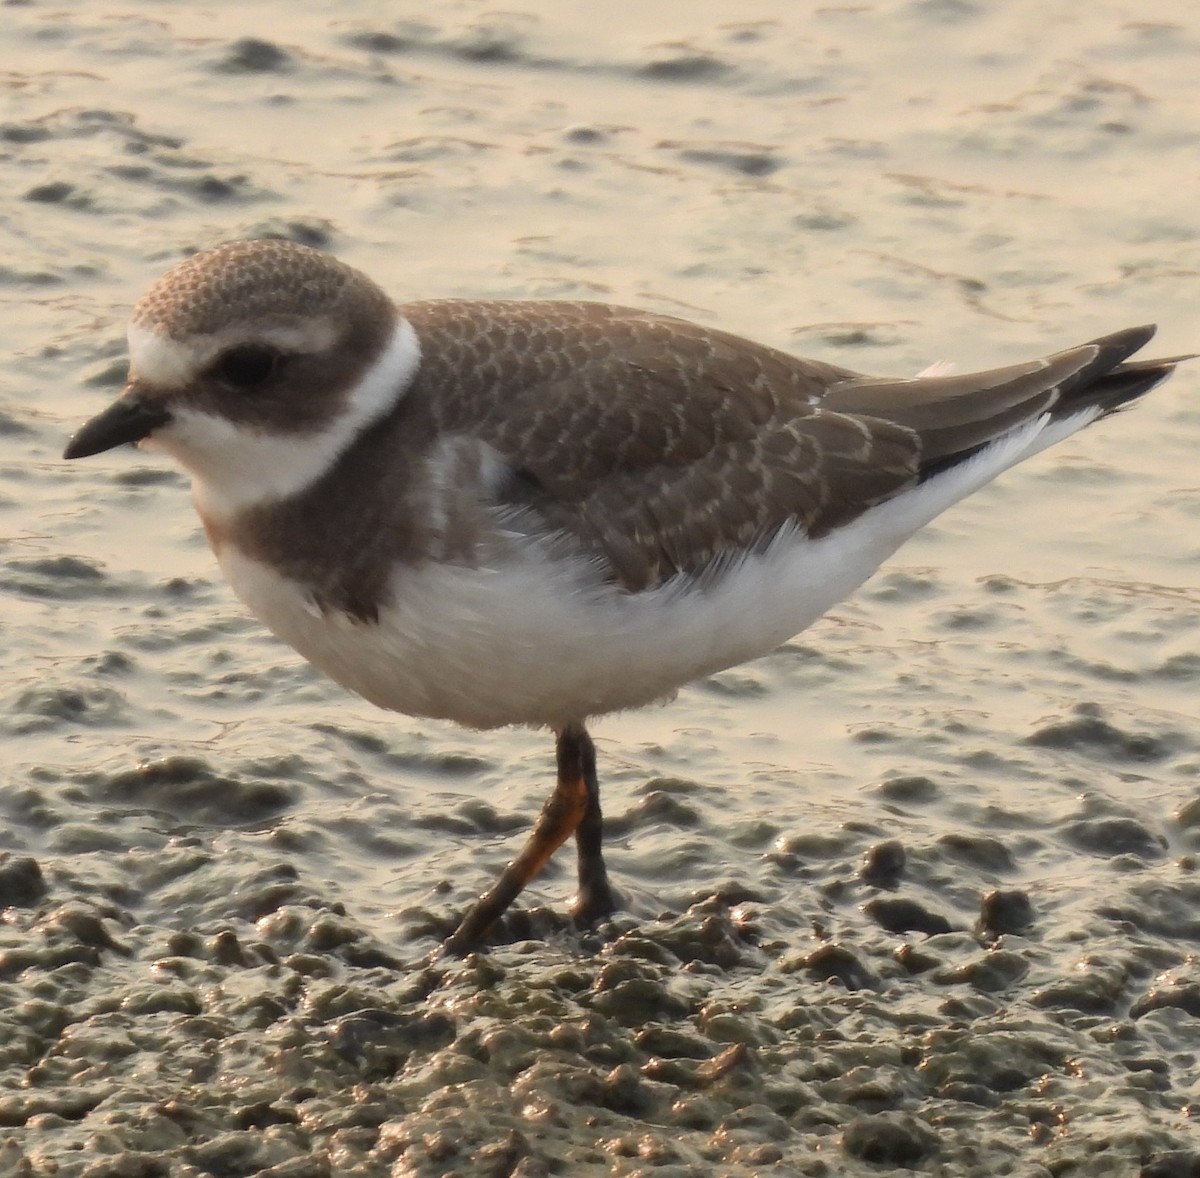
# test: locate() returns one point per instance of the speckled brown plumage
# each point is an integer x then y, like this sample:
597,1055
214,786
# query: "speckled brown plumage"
649,444
239,292
657,444
463,509
248,282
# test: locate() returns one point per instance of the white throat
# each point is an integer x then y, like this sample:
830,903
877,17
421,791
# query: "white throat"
234,466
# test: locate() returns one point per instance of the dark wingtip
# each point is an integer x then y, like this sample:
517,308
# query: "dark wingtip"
1135,337
1113,380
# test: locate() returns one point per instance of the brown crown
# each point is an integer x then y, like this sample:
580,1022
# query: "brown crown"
248,281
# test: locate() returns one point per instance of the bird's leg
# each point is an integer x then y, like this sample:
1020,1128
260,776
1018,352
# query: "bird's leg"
595,898
573,807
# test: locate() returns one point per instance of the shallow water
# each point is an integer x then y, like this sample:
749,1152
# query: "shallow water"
918,890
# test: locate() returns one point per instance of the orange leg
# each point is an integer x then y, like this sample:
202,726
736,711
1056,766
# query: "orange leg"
595,898
573,808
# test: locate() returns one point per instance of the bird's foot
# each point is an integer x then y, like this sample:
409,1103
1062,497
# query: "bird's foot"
595,901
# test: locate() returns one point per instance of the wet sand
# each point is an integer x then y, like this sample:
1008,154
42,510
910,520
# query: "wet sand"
920,890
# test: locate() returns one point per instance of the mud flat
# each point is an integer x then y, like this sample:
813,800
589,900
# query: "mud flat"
919,891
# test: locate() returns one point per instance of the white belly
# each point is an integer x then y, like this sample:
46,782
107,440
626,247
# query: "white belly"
527,645
537,642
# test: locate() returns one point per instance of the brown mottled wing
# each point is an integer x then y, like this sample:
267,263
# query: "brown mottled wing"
813,469
660,446
657,444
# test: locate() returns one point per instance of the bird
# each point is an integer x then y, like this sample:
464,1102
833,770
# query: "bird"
523,512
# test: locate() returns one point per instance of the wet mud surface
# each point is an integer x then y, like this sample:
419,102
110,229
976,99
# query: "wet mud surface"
918,892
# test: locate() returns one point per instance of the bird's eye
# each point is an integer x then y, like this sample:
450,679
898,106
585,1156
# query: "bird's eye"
247,366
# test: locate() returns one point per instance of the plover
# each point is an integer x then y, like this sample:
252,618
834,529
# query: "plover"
537,513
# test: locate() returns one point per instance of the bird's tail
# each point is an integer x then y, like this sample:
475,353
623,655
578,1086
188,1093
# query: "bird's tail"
1107,382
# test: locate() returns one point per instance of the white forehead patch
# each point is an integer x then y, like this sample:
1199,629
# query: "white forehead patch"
165,363
235,466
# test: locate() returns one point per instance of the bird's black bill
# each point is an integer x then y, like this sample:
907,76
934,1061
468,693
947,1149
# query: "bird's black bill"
128,419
